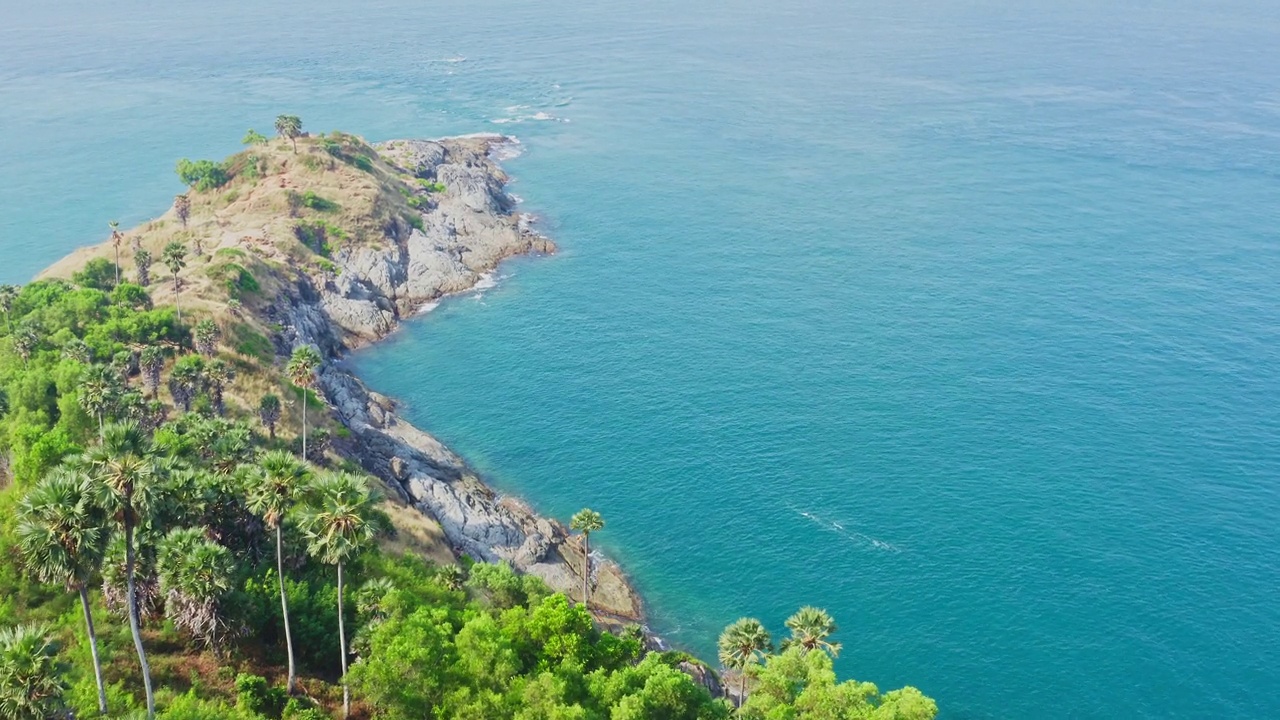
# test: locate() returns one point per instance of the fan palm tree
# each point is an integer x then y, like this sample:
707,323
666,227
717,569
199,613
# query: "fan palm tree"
182,208
810,627
97,391
30,679
742,645
302,372
269,413
217,374
8,293
206,333
116,237
151,362
26,339
175,258
289,126
142,260
339,525
281,480
125,472
586,521
195,575
63,538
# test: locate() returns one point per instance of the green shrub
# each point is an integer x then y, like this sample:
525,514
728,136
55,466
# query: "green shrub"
319,235
235,278
98,273
251,343
431,185
315,202
202,175
254,695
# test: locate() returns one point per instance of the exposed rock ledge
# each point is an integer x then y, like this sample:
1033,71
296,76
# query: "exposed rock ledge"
469,228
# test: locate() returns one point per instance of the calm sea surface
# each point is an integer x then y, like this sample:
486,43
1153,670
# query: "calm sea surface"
958,319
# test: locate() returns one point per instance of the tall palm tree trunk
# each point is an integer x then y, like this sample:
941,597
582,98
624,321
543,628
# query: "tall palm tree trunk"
342,640
102,427
304,438
742,686
284,606
93,649
586,570
177,296
117,262
131,597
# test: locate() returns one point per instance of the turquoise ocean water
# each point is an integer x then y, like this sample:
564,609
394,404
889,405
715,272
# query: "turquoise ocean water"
958,319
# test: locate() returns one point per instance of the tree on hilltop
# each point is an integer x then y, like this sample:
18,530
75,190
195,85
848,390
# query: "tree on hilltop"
289,126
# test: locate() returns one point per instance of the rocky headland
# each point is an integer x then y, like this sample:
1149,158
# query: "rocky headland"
334,245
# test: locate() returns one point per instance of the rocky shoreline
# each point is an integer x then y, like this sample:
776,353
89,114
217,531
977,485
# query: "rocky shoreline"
466,231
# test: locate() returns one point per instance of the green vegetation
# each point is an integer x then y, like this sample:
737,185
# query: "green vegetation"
319,235
253,137
202,175
289,126
163,554
434,186
586,521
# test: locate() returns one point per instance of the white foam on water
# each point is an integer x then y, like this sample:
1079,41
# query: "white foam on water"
860,539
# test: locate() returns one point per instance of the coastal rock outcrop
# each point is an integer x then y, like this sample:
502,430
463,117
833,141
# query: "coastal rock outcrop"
466,229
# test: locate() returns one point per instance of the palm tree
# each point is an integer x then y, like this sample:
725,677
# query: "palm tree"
280,483
151,362
195,574
810,627
98,388
206,334
289,126
269,412
125,472
742,645
185,380
337,528
116,237
586,521
8,293
142,259
182,207
26,339
302,373
217,374
30,679
175,258
63,538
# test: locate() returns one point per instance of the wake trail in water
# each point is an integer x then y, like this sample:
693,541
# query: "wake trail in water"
861,539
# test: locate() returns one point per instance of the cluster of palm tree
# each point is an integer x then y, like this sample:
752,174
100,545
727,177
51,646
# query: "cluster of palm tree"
124,491
746,643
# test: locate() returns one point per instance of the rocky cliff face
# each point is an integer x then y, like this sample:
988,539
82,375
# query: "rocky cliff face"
466,230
